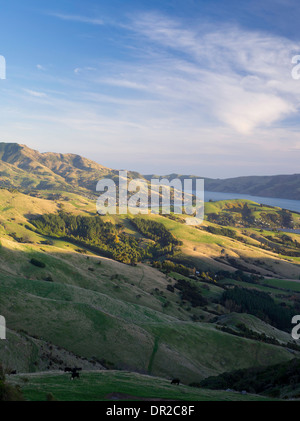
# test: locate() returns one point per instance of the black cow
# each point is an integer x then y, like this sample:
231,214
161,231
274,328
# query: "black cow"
175,381
74,375
74,372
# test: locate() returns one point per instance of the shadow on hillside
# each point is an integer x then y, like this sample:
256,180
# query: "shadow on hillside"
284,268
31,216
48,310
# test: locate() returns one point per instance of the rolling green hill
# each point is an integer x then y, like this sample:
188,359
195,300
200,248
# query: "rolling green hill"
160,314
118,323
280,380
99,312
116,386
27,169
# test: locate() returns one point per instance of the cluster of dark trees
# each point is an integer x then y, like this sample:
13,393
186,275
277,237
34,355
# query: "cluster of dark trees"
167,266
227,217
106,238
223,218
156,232
258,303
165,244
227,232
190,293
283,218
239,275
284,244
91,232
287,218
263,380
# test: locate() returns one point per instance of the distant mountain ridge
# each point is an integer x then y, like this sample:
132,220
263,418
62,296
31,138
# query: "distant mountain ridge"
277,186
27,169
280,186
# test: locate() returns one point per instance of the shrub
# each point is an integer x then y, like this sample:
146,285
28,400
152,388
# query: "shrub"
37,263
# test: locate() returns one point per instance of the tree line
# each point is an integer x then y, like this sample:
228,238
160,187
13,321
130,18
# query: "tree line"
107,239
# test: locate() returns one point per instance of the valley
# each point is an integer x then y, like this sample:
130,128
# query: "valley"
145,297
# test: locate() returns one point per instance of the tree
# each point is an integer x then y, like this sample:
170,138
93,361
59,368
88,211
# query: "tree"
7,391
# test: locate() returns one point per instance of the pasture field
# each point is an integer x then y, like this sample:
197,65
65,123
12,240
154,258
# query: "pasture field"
114,386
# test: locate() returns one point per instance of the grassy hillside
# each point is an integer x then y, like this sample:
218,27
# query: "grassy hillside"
122,330
280,380
254,324
116,386
77,307
27,169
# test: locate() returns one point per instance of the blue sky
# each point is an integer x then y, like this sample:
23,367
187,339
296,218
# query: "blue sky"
188,86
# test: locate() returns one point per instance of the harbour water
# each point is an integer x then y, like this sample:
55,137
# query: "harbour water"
292,205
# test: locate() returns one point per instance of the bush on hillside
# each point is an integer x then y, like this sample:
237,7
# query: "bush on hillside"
37,263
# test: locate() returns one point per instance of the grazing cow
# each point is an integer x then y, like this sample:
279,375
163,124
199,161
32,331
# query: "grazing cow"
74,372
74,375
175,381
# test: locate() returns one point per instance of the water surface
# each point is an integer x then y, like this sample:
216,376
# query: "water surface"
293,205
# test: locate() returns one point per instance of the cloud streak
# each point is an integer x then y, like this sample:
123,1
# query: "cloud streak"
78,18
241,78
35,94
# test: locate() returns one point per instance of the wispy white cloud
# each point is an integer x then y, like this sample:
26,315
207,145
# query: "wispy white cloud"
78,18
35,94
241,78
79,70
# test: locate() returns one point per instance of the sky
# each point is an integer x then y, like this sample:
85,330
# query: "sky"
200,87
